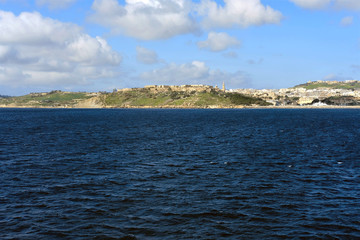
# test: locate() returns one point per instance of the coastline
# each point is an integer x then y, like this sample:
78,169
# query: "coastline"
194,97
186,107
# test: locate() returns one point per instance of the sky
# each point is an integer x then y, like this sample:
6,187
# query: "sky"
99,45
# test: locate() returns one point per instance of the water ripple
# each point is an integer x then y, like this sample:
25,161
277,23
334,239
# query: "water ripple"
179,174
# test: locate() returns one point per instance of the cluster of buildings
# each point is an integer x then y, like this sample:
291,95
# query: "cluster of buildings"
297,96
181,88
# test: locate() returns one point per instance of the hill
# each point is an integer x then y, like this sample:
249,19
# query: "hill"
51,99
189,96
174,96
350,84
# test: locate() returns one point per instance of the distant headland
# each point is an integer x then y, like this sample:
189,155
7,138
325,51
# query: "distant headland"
311,94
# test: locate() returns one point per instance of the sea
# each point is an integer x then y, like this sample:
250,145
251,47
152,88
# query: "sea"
179,174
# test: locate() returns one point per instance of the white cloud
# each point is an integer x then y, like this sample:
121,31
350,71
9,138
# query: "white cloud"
33,29
237,13
146,56
195,72
218,42
335,77
145,19
43,51
230,55
346,21
311,4
253,62
55,4
162,19
9,74
348,4
320,4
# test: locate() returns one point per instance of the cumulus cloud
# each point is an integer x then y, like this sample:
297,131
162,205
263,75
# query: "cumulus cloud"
195,72
218,42
43,51
319,4
241,13
146,56
145,19
311,4
55,4
346,21
348,4
162,19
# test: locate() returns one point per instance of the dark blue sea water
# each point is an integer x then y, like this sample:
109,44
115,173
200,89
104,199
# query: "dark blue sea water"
179,174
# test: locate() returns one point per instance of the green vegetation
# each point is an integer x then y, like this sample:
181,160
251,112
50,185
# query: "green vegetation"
330,85
145,97
212,98
239,99
51,99
139,97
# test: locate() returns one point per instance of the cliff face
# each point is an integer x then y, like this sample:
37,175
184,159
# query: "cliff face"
345,93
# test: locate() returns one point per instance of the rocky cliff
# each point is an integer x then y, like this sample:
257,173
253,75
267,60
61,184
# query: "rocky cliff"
345,93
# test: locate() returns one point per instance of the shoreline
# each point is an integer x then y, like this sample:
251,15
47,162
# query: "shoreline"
190,107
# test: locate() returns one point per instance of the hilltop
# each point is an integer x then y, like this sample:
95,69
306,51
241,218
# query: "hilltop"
349,84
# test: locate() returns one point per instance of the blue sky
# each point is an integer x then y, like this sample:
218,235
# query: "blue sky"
99,45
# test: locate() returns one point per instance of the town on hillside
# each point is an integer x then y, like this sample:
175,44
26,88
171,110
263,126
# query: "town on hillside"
316,93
